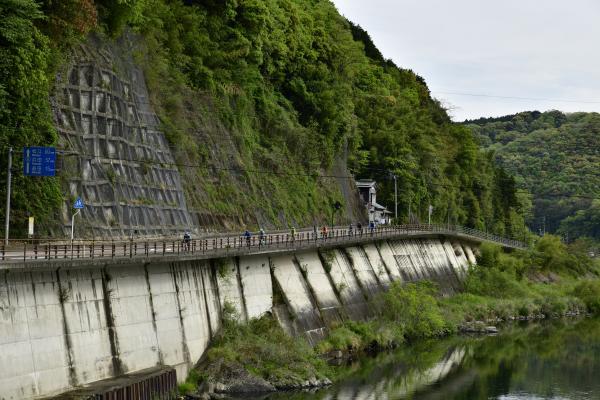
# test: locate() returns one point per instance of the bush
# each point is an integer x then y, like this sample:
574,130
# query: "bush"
490,281
589,293
414,308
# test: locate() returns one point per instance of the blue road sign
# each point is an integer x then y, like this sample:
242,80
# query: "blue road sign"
78,203
39,161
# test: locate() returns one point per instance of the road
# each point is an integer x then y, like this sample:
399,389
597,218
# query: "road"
23,251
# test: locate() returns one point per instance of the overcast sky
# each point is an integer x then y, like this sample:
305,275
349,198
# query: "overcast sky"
542,54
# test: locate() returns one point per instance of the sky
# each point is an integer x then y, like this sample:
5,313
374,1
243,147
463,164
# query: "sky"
485,58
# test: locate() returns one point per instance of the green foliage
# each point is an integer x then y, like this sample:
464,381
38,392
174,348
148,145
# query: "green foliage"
263,348
25,118
551,254
554,156
191,383
263,98
589,293
296,85
584,223
414,308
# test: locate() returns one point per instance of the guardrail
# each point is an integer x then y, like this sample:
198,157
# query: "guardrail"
27,251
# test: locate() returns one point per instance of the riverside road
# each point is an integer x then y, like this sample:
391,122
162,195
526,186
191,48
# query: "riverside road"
82,251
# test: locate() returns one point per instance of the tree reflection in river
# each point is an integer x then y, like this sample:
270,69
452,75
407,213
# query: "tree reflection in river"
551,360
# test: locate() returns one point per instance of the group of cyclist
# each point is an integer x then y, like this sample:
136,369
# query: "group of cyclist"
262,236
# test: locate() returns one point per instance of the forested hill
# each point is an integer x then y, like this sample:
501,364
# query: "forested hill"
269,106
557,157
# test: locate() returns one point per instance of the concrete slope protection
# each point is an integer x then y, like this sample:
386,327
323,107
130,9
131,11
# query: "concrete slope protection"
67,328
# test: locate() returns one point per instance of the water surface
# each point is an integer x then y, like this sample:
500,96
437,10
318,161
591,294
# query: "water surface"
551,360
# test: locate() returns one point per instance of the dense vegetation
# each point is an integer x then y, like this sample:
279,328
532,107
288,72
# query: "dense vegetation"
268,104
556,156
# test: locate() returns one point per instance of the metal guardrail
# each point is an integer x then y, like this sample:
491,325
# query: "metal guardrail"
32,251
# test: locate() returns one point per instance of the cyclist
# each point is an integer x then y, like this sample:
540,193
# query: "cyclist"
359,228
187,239
350,230
262,237
247,235
293,233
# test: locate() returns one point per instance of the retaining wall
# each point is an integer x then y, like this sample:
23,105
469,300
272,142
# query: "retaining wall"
67,328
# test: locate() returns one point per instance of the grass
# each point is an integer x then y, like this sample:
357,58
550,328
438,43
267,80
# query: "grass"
263,348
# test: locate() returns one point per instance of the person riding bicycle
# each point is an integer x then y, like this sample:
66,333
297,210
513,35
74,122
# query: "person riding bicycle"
324,232
262,237
187,239
247,235
293,234
350,230
359,228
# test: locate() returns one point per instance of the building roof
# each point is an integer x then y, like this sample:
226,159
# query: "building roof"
365,183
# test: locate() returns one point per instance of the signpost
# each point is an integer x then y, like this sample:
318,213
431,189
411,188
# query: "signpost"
78,206
39,161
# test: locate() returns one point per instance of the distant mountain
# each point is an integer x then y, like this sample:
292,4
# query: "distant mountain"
557,157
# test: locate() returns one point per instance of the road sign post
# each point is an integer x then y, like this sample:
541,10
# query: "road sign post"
78,206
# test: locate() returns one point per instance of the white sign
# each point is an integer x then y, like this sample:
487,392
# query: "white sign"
30,230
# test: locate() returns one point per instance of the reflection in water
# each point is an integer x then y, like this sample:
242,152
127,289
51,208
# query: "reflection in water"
555,360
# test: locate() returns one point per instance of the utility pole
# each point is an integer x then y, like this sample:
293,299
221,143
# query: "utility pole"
396,198
8,182
429,218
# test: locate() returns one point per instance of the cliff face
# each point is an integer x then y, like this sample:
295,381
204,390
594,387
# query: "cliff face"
115,156
118,160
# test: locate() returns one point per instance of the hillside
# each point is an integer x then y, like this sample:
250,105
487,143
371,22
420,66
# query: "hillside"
244,113
557,157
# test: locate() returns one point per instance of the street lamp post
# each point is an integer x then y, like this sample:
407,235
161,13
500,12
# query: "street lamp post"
8,182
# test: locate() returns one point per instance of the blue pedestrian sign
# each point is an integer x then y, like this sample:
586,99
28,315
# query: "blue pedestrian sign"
39,161
78,204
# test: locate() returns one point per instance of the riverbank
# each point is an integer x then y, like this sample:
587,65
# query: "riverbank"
549,281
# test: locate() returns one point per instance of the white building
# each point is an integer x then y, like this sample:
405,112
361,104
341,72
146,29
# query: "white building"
368,193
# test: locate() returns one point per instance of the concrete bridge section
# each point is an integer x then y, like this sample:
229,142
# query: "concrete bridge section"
66,323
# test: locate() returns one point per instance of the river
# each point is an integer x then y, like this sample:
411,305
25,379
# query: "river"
550,360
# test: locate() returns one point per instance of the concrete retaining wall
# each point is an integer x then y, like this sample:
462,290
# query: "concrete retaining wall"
63,329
